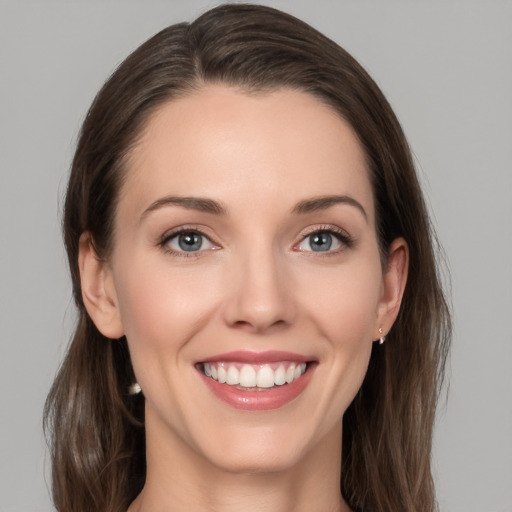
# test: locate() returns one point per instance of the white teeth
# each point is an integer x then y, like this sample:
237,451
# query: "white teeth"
221,374
290,373
233,376
280,376
252,376
265,377
247,376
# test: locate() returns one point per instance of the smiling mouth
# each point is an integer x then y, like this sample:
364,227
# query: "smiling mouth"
254,377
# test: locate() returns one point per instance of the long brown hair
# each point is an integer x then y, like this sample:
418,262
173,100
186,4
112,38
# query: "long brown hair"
96,428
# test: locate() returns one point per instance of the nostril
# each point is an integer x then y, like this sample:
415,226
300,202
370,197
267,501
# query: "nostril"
258,326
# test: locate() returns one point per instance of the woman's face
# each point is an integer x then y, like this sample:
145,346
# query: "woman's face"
245,248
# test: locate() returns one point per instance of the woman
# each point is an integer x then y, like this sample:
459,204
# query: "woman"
245,230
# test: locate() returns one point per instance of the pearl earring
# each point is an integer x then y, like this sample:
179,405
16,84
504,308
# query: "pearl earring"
134,389
382,338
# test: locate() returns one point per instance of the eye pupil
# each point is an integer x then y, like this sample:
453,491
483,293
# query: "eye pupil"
321,241
190,241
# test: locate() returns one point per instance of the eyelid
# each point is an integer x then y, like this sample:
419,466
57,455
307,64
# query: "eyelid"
174,232
345,239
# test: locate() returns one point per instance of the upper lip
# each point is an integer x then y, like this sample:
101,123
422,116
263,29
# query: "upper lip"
250,357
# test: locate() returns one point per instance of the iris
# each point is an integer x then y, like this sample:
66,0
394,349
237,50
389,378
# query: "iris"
321,241
190,241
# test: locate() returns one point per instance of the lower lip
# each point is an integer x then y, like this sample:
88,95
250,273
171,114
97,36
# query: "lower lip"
265,400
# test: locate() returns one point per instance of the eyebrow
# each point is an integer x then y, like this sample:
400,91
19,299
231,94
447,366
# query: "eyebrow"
190,203
206,205
324,202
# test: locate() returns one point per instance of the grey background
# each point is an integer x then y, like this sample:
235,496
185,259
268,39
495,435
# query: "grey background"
446,67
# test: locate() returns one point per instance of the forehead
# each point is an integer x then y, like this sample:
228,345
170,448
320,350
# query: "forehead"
231,145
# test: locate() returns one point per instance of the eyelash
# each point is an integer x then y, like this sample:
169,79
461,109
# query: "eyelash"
339,234
167,237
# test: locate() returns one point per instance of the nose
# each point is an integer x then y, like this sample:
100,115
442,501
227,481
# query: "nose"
260,295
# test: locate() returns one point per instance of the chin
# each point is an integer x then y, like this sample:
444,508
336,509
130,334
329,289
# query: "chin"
262,450
259,459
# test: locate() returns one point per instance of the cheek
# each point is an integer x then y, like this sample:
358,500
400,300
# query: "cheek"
162,307
345,302
344,311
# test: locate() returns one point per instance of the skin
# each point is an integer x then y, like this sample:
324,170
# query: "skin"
256,284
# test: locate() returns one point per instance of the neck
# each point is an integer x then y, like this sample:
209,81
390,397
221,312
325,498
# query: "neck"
181,480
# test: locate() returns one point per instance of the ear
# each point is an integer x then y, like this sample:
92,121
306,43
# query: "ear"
98,290
393,286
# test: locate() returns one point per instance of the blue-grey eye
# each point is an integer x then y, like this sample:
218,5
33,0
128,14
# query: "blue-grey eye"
321,241
189,241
